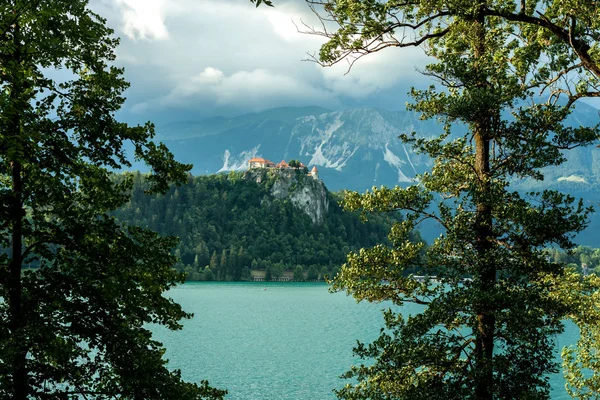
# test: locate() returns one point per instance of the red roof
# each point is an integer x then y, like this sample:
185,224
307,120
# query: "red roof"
259,160
314,169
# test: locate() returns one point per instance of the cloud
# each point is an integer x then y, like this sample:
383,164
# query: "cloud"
254,90
229,56
144,19
375,72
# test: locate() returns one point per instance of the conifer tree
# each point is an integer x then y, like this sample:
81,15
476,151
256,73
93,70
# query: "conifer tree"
75,326
510,71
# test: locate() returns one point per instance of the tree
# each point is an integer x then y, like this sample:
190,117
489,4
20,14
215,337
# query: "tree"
268,274
510,73
223,266
313,273
208,274
214,261
277,270
74,327
298,273
259,2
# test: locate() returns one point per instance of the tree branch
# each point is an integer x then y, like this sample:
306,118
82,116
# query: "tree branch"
580,47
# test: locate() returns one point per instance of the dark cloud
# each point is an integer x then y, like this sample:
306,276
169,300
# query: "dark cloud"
190,58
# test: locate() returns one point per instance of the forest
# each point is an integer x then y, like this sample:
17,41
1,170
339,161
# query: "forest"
229,225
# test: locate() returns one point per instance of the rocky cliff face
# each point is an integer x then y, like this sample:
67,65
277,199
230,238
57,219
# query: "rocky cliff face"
305,193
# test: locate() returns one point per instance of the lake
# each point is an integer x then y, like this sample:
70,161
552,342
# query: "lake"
277,341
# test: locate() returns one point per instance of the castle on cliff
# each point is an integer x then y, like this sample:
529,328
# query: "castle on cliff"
258,162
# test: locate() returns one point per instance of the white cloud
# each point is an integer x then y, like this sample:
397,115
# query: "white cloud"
254,90
144,19
284,26
572,178
225,52
375,72
209,76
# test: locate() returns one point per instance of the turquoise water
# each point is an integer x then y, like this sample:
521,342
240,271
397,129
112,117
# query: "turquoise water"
277,341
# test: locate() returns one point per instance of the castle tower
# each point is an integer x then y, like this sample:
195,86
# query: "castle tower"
314,172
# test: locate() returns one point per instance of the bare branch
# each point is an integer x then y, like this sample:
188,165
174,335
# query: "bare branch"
383,39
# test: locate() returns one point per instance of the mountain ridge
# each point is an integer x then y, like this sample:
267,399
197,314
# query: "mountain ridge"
358,148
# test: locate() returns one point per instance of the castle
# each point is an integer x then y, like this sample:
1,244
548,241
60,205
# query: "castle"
258,162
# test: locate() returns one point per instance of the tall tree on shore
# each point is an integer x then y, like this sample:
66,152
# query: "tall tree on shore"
75,326
510,71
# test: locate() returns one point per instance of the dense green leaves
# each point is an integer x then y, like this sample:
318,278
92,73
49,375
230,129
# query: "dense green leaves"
74,326
229,223
510,72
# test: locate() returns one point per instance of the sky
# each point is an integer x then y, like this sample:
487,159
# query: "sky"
193,59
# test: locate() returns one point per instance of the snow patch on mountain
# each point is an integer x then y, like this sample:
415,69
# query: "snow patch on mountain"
409,160
336,156
318,158
239,162
344,157
395,162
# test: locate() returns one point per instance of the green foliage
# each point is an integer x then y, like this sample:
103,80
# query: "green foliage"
299,273
313,273
510,72
241,224
581,362
584,259
75,326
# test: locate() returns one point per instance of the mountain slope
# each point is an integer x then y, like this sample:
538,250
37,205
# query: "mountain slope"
354,149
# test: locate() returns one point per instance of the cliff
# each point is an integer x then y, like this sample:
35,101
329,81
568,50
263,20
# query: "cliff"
306,193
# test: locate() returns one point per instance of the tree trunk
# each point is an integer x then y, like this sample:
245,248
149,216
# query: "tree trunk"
16,321
486,321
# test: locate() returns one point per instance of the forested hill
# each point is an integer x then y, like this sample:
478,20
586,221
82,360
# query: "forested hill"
230,224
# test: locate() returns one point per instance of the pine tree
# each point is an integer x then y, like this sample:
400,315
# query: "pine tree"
75,326
510,72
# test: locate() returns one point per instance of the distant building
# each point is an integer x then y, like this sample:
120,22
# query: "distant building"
258,162
282,165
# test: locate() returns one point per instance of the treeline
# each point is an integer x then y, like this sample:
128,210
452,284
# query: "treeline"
229,226
583,259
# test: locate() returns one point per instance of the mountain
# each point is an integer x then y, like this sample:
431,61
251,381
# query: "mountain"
355,149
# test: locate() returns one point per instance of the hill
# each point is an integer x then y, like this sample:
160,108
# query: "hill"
272,221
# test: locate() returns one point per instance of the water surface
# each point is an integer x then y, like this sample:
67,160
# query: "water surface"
277,340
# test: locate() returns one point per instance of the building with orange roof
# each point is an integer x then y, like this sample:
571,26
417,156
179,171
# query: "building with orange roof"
283,165
258,162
